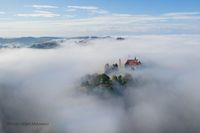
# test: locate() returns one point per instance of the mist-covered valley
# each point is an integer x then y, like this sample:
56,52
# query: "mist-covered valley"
42,86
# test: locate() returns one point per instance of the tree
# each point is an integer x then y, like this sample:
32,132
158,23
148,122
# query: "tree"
103,79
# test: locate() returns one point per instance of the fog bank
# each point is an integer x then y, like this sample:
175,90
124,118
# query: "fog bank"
43,86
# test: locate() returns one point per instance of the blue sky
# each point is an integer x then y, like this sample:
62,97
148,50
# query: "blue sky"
121,6
98,17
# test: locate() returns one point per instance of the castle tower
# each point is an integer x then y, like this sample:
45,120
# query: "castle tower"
120,63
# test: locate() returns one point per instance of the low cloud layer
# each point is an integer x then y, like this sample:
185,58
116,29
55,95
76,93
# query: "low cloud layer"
43,86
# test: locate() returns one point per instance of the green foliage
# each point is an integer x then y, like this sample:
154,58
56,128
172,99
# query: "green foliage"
104,82
103,79
114,78
122,80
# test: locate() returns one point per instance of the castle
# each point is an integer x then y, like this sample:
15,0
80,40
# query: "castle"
130,64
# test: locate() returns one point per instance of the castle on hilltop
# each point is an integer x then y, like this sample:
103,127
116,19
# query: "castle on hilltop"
129,64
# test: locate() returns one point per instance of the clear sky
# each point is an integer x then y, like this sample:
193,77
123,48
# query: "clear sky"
86,17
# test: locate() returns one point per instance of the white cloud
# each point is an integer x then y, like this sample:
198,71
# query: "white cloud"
39,13
89,9
165,98
99,11
108,24
43,6
71,10
83,7
182,15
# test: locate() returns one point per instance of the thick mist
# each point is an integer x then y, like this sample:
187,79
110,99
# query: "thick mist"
43,86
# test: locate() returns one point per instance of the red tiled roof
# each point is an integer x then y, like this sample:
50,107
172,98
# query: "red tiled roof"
133,62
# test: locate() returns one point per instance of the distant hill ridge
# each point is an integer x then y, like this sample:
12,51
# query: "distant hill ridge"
44,42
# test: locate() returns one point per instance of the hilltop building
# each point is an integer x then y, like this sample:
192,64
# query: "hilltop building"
132,63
